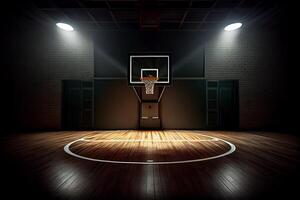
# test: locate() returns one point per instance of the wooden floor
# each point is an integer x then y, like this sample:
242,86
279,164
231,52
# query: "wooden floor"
148,147
35,165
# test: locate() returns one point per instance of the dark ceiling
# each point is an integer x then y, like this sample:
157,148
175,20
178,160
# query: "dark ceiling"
201,15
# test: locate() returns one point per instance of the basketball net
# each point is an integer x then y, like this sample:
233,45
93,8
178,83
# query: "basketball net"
149,83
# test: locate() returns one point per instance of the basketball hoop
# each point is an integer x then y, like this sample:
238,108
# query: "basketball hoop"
149,82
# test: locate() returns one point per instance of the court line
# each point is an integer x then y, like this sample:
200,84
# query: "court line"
128,140
230,151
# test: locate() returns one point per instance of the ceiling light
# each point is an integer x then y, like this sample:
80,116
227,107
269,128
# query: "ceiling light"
233,26
65,27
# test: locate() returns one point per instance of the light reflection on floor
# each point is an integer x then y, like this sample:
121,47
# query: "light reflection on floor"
69,180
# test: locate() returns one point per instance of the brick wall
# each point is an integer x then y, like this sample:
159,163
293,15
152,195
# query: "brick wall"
256,59
45,57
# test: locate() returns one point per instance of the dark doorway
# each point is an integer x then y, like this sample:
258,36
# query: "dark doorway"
228,104
77,109
222,104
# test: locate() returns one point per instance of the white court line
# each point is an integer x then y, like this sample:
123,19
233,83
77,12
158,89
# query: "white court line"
231,150
128,140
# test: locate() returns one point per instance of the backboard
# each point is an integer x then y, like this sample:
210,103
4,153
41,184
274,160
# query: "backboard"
144,65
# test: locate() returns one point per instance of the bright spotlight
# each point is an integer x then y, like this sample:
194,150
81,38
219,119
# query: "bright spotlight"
65,27
233,26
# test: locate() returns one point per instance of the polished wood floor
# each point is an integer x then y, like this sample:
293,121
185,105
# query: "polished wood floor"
35,165
162,147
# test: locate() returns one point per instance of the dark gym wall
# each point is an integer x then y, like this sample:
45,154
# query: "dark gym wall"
45,57
112,50
41,58
183,106
111,61
116,106
259,60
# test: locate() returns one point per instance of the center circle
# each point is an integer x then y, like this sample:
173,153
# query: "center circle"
133,147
